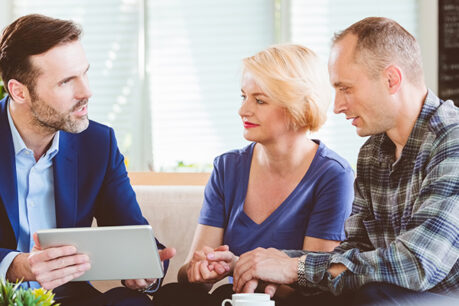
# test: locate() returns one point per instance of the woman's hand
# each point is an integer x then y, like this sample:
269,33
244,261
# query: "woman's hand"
202,270
220,257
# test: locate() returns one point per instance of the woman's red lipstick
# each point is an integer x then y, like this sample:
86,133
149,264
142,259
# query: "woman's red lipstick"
249,125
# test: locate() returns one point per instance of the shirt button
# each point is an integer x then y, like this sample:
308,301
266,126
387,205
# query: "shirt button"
32,203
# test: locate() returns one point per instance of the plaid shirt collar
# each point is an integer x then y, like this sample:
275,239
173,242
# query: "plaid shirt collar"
414,142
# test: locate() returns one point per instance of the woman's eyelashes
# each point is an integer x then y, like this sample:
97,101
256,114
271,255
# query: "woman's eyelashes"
257,100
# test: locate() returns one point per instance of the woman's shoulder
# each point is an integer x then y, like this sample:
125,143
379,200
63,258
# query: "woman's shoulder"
331,159
234,164
235,156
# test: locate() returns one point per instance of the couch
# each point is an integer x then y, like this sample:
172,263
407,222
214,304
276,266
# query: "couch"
173,212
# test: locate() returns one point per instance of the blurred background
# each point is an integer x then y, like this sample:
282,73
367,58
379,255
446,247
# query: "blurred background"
166,74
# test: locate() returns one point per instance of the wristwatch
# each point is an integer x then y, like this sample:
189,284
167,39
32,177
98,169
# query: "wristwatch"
302,282
152,288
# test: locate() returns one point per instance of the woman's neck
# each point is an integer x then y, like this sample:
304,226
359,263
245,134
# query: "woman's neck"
286,155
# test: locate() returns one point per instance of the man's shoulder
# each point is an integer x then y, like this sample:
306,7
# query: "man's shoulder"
442,138
3,104
445,120
95,130
96,127
98,137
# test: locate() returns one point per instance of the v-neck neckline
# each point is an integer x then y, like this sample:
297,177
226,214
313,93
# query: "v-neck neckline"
249,221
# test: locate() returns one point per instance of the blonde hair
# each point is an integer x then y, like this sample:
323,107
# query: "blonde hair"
292,76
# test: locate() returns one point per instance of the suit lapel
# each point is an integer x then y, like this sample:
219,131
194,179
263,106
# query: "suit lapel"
8,180
66,181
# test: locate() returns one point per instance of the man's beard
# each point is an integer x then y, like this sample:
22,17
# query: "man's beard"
47,117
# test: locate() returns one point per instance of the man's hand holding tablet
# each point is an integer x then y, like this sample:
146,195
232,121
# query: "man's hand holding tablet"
50,267
121,252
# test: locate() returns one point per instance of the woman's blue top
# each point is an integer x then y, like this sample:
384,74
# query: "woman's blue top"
317,207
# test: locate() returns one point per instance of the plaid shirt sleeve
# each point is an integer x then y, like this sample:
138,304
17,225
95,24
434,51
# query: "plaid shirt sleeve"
419,258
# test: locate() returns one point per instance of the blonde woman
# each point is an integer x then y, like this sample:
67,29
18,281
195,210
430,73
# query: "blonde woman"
282,191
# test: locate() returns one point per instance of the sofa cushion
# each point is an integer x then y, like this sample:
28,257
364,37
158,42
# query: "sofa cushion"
173,213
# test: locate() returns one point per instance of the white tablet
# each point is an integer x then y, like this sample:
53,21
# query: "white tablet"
116,252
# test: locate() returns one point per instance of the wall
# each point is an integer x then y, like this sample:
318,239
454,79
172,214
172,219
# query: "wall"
448,56
428,39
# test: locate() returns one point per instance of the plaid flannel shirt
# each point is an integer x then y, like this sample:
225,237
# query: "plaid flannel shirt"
404,227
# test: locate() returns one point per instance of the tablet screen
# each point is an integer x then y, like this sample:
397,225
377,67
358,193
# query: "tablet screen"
116,252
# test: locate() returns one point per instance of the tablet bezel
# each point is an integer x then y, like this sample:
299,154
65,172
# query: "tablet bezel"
116,252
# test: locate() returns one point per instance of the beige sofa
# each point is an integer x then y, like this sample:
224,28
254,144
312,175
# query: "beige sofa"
173,212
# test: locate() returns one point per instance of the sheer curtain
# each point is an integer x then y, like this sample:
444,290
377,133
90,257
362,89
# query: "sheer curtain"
166,74
194,51
111,41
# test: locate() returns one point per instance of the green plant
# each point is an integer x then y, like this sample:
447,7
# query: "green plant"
182,166
2,90
12,294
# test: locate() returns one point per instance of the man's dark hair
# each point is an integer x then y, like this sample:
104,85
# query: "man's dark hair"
31,35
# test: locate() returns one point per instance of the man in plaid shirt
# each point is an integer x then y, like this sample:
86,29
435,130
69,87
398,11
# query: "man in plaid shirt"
403,235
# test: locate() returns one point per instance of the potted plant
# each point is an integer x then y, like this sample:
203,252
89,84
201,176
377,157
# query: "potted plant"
11,294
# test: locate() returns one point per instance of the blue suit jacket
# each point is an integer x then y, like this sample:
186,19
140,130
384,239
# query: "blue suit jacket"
90,180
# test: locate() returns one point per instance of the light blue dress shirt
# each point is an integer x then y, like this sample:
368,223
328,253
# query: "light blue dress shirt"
36,202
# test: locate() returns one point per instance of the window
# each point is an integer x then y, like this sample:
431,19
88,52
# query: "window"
194,56
313,23
166,74
187,52
111,40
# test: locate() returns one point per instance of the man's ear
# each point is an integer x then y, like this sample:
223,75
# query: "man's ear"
18,91
393,76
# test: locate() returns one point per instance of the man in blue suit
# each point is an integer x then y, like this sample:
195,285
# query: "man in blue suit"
58,169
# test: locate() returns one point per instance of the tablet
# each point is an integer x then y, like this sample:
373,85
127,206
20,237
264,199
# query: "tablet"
116,252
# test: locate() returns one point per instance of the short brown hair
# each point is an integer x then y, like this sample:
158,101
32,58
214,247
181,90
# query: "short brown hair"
31,35
382,41
293,76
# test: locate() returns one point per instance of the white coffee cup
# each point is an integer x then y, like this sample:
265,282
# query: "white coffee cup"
249,299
